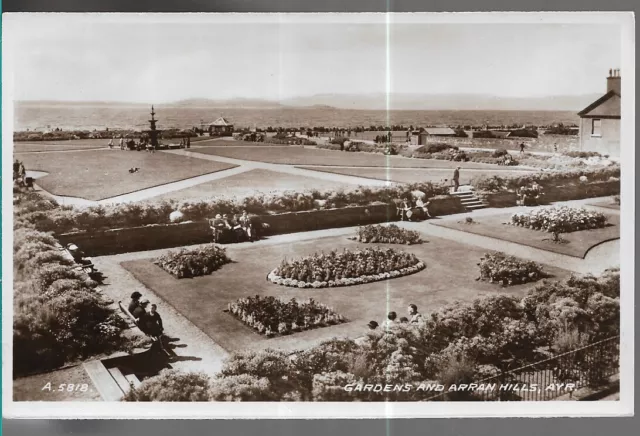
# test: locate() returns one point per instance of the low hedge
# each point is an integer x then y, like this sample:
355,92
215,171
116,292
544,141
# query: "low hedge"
545,179
64,219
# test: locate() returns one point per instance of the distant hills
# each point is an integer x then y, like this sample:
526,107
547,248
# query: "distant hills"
370,102
444,102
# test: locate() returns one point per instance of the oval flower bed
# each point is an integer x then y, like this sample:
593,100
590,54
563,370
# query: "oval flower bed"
559,219
508,270
345,268
271,316
389,234
193,262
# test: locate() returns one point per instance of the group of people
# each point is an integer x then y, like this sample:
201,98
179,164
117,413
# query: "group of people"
234,227
529,195
414,317
419,210
150,322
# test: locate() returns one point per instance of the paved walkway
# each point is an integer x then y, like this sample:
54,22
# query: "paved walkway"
282,168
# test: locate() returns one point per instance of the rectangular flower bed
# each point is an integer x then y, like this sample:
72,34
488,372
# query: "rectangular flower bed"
560,219
508,270
389,234
193,262
271,316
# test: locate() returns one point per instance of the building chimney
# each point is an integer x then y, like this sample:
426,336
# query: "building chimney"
613,81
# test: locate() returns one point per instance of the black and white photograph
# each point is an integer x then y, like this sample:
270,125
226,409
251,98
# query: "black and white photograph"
318,215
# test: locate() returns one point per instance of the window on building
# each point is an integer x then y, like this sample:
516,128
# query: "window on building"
596,127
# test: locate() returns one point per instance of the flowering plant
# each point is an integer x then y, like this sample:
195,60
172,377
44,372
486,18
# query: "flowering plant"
271,316
508,270
346,268
193,262
390,234
559,219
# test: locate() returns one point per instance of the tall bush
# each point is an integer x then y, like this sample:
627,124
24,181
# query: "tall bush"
172,385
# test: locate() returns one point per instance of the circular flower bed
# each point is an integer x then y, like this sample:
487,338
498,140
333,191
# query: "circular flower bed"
345,268
560,219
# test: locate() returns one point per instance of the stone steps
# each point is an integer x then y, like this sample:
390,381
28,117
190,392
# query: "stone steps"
468,199
111,383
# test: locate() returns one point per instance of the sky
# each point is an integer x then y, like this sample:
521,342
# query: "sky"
54,58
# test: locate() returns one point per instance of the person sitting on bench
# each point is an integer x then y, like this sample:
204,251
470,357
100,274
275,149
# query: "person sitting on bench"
235,227
135,301
406,212
247,225
423,208
217,227
153,322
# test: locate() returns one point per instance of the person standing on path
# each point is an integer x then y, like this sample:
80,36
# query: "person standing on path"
121,142
522,148
456,179
111,142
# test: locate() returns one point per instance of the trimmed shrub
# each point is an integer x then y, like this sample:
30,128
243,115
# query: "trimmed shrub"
172,385
559,219
390,234
193,262
582,154
436,147
508,270
523,133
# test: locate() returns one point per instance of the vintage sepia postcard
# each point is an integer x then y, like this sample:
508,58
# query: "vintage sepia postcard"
318,215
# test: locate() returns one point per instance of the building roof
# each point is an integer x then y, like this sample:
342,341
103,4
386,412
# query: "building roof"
220,122
607,106
439,131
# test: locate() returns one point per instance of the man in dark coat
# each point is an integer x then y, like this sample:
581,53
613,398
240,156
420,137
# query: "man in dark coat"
456,179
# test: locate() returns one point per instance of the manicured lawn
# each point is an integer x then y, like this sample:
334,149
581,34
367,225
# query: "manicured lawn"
435,175
607,204
31,388
578,242
450,275
314,156
76,144
249,183
99,174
